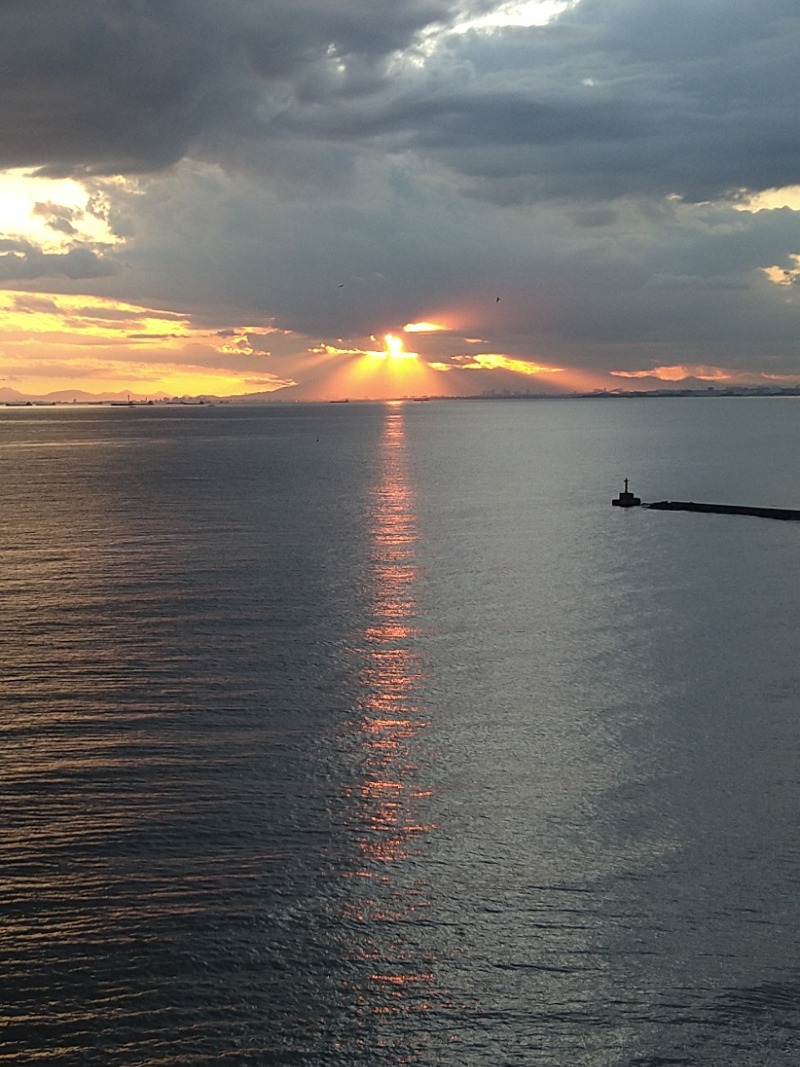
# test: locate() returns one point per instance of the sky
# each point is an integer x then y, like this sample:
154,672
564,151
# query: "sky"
328,199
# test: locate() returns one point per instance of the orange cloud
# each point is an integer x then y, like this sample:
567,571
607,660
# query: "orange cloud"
782,275
63,341
422,327
496,361
677,372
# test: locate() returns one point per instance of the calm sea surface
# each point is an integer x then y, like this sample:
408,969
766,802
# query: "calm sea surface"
373,735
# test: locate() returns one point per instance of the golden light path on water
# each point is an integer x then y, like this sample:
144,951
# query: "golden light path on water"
392,792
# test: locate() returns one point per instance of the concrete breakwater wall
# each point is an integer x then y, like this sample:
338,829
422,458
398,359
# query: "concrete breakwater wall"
724,509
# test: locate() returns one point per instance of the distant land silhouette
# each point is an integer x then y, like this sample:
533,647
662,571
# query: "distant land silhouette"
13,398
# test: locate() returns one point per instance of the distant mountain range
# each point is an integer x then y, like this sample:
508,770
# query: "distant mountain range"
69,396
80,396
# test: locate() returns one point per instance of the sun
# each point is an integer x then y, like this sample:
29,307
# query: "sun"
395,349
393,353
384,373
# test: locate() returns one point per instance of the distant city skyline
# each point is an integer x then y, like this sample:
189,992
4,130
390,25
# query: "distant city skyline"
320,199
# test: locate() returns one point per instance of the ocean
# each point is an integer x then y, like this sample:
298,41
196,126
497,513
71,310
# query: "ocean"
371,734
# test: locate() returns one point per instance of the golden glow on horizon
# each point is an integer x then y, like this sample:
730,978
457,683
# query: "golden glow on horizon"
496,361
61,342
554,380
378,374
200,382
394,372
56,342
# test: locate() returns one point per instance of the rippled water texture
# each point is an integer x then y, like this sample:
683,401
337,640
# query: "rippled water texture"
372,734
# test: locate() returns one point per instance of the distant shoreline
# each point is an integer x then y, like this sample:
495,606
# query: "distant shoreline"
260,401
649,394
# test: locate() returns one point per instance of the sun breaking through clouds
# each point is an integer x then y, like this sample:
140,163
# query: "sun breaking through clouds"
552,195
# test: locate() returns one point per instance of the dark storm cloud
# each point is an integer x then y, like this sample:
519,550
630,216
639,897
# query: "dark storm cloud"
616,97
113,86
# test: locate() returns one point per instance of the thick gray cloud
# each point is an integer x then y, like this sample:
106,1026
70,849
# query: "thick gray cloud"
616,97
114,86
22,261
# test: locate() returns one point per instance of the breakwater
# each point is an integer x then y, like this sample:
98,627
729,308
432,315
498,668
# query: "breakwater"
724,509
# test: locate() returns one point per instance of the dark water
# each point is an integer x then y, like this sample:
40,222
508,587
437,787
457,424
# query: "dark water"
373,735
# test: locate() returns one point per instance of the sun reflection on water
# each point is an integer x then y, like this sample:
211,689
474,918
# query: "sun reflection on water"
390,714
390,905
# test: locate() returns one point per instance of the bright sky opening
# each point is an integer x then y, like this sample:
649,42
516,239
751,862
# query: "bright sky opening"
52,213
